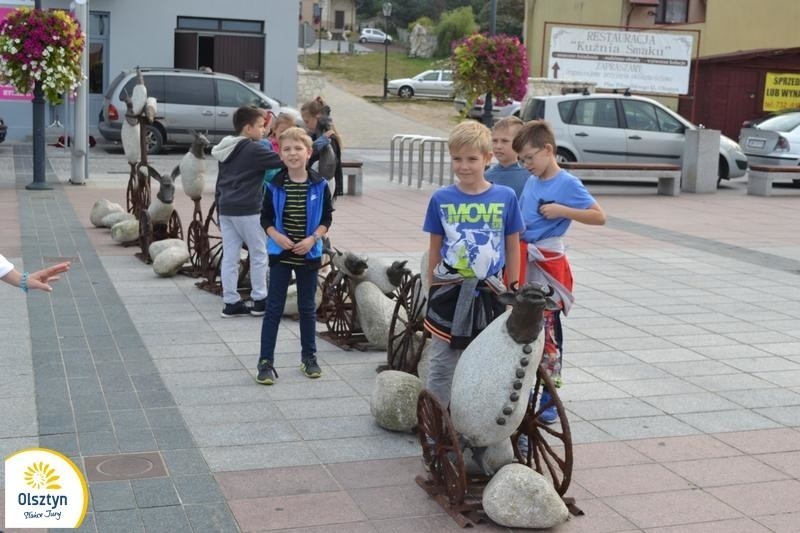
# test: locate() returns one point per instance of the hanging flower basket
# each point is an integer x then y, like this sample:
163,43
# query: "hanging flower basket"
483,64
38,45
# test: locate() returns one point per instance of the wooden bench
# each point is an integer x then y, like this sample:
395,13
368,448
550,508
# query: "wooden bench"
669,176
761,177
354,172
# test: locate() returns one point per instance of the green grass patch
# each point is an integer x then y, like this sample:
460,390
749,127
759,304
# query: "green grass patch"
368,68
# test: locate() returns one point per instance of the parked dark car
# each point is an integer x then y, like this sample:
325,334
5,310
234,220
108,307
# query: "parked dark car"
3,130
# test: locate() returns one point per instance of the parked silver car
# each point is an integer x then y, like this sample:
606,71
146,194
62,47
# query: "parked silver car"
500,109
187,100
616,128
435,83
773,141
373,35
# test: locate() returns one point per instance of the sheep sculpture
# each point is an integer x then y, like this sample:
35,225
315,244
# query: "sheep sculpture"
192,168
160,208
130,135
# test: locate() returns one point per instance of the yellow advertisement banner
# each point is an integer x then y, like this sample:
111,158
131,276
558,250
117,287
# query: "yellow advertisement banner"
781,91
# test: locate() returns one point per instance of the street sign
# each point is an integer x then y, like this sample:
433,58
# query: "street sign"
307,37
648,62
781,91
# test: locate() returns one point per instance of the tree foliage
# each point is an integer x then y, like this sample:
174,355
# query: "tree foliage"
509,17
454,25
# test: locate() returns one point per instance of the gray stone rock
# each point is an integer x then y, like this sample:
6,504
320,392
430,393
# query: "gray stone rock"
495,457
159,246
424,365
394,400
114,217
375,311
169,261
125,231
100,209
484,380
519,497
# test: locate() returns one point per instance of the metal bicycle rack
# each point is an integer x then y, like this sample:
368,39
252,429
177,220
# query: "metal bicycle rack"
401,158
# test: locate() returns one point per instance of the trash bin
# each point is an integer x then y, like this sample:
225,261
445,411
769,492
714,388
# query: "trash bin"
700,168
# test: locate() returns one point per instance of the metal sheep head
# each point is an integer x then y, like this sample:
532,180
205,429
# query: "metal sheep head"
166,193
527,310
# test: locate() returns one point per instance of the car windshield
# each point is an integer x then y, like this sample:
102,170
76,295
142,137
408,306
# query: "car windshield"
786,122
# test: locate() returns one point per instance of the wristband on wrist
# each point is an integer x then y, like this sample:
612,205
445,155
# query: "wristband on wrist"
23,284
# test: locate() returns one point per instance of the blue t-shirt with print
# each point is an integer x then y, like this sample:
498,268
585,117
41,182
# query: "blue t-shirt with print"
514,176
474,227
564,189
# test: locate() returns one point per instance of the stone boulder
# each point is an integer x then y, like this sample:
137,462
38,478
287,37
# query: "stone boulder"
168,262
424,365
159,246
495,457
375,311
114,217
394,400
125,231
519,497
491,383
100,209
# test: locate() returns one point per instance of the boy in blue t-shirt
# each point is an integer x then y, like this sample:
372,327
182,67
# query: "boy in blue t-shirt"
474,229
550,201
508,171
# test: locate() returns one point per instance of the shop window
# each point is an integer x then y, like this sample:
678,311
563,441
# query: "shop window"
672,12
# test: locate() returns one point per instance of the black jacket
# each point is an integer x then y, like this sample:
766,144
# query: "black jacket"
240,182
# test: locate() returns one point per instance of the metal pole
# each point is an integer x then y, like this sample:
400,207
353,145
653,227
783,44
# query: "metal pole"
386,63
39,182
319,38
487,104
80,140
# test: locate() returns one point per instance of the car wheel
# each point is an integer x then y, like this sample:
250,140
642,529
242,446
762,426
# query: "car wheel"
154,140
405,92
723,172
564,156
362,40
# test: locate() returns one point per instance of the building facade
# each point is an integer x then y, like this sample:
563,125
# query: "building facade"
255,40
722,27
336,16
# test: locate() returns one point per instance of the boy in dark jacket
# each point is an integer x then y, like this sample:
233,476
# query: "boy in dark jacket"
296,215
240,185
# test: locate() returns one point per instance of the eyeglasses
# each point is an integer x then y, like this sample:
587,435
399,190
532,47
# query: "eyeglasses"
526,159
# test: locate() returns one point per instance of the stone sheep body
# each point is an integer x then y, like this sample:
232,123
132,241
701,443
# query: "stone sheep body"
161,207
130,135
192,168
385,274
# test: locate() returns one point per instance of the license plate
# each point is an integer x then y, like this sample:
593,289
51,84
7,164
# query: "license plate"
756,143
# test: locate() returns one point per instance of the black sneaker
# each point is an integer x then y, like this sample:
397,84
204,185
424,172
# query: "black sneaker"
266,373
259,307
233,310
310,368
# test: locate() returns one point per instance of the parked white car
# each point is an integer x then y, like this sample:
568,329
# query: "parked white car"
774,141
435,83
615,128
373,35
500,109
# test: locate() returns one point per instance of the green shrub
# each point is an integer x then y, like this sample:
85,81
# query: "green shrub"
454,25
423,21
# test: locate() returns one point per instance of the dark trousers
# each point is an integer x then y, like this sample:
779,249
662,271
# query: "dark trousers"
279,276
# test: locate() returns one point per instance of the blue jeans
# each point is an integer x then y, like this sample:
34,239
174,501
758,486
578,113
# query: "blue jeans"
279,277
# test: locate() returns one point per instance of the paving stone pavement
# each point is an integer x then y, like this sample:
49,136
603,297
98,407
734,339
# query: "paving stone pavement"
682,370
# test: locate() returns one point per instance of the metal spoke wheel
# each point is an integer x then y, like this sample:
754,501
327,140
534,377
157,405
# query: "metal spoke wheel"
197,243
406,333
549,447
340,307
137,195
441,451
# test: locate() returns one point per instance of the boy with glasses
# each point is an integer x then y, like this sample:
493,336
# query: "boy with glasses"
551,200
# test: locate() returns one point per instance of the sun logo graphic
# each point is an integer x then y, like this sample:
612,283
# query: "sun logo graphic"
44,489
42,476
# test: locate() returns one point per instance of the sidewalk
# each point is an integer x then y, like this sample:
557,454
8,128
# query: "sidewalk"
682,369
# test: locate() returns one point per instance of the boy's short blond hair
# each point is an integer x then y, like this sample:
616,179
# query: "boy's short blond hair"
536,133
295,134
507,123
471,134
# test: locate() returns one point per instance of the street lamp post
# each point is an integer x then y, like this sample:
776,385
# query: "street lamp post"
38,182
387,12
487,104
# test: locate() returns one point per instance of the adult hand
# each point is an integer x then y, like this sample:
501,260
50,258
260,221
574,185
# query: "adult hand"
40,279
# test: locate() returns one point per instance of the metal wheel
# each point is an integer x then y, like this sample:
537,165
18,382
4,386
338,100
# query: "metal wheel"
340,308
549,449
197,242
406,334
441,451
137,196
145,234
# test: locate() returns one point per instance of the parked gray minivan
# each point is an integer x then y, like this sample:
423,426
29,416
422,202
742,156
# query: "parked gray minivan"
187,100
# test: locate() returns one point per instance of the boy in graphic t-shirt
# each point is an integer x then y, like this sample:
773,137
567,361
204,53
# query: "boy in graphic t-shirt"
474,229
550,201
